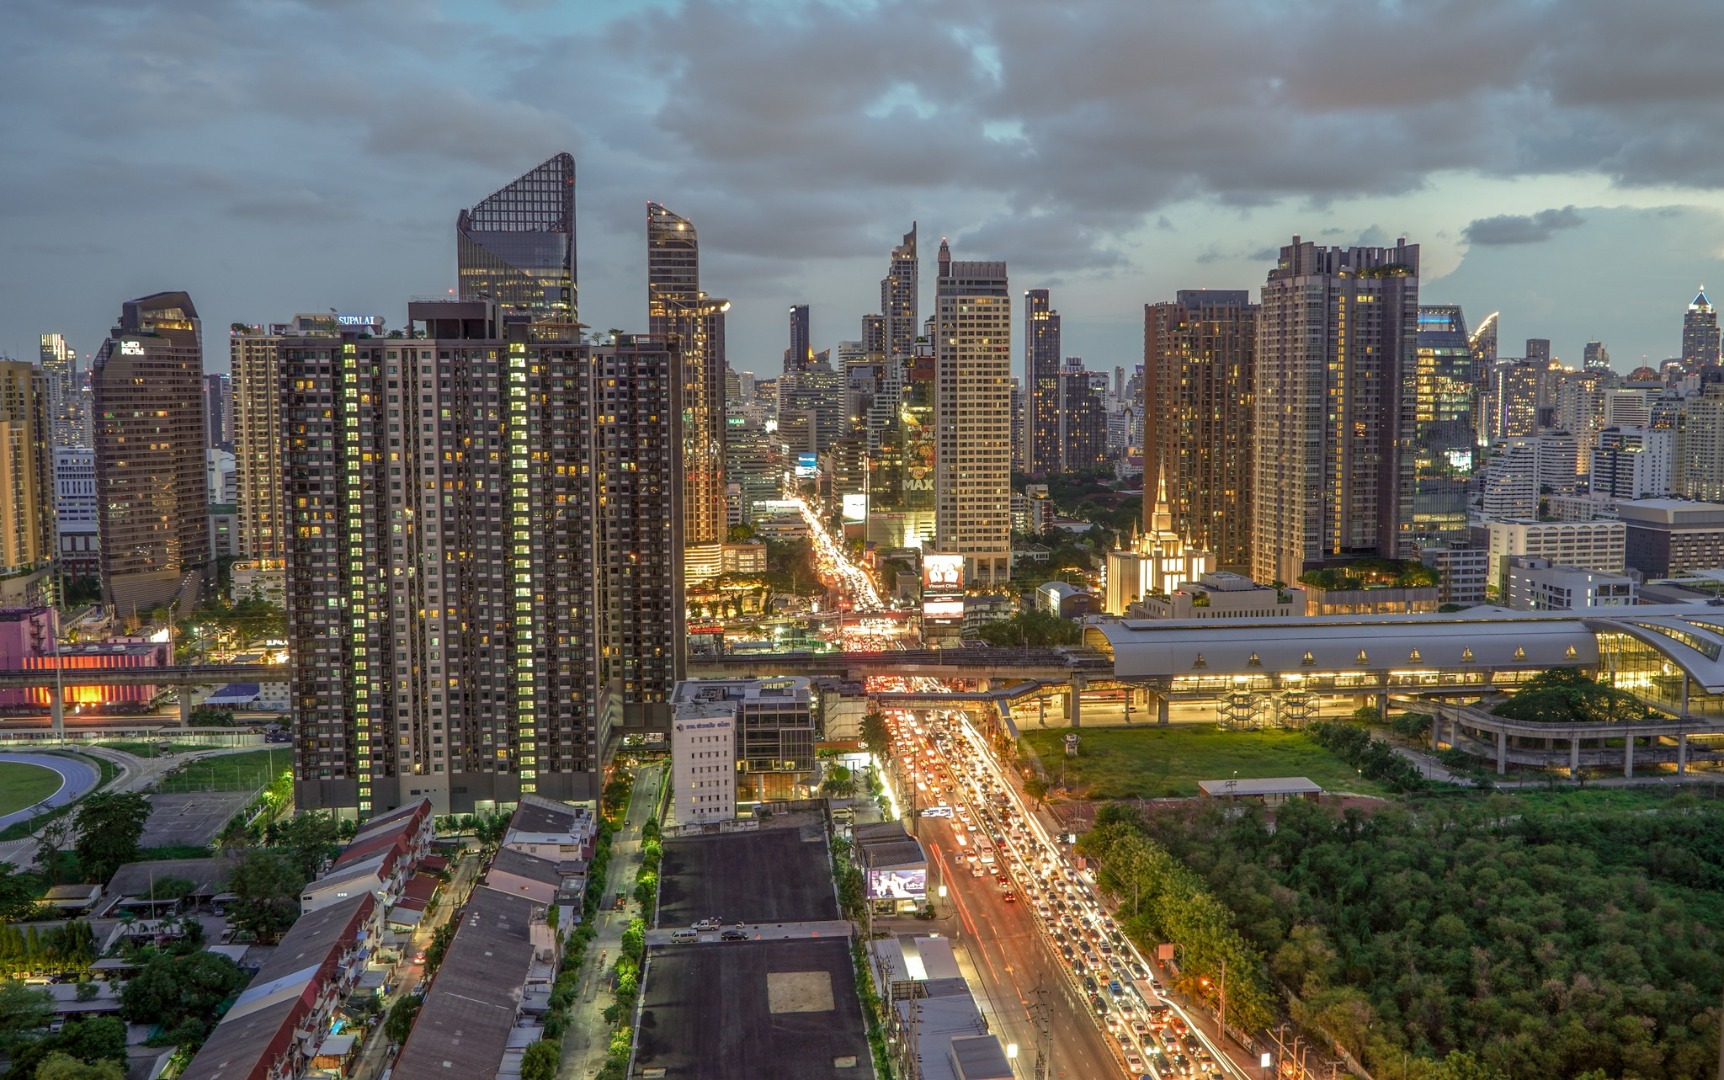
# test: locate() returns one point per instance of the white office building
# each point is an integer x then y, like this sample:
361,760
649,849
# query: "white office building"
1540,585
703,762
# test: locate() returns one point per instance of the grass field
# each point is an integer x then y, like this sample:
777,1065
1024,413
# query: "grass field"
1157,762
230,772
24,785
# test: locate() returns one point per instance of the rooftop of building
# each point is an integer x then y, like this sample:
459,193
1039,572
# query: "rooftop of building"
463,1026
135,879
261,1025
1246,789
719,876
691,692
760,1010
537,814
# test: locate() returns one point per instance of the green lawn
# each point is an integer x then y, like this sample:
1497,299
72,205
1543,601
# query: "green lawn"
24,785
230,772
1155,762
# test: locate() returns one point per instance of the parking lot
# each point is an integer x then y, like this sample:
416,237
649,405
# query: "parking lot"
193,818
768,1010
771,876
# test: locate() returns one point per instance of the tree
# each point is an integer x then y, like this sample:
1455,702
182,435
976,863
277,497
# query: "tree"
61,1066
1036,788
17,893
89,1041
440,939
399,1024
876,733
541,1061
839,783
266,885
308,840
182,994
23,1009
109,826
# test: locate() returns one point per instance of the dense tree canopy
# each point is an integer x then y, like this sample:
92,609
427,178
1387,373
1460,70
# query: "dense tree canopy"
185,994
109,825
1030,629
1543,945
1566,696
266,883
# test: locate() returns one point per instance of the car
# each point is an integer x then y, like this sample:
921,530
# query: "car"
706,924
1096,1003
1089,983
1133,1062
1010,898
419,957
733,935
1066,950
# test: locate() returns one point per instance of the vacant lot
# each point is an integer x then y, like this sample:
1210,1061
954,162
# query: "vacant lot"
229,772
1157,762
24,785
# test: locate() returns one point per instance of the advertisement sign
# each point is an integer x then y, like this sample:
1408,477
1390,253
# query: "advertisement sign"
898,884
807,465
942,575
949,611
855,507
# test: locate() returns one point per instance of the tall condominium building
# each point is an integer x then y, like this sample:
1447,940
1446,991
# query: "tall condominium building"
1633,462
26,469
874,334
254,354
900,300
1083,417
1596,357
1516,397
1020,430
1700,341
800,354
1538,351
677,308
147,385
218,412
1333,399
517,246
76,526
1199,356
973,417
1043,449
1442,440
480,528
68,402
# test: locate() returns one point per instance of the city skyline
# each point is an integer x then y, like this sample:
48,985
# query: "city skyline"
806,215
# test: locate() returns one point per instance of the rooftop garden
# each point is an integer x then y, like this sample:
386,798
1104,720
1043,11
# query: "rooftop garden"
1372,574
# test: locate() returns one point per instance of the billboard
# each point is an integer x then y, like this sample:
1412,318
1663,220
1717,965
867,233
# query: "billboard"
942,575
898,884
807,465
949,611
856,507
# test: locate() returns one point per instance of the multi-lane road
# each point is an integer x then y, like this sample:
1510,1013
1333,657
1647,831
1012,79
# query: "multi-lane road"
1018,901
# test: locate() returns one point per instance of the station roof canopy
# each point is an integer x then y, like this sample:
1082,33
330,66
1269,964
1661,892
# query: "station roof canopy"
1690,635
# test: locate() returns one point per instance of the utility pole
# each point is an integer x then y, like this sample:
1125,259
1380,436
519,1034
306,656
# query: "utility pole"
1044,1036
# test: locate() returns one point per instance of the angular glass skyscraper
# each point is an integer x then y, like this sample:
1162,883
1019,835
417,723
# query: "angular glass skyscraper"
517,247
1442,441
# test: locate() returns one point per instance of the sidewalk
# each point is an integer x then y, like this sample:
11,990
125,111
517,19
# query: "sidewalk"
587,1041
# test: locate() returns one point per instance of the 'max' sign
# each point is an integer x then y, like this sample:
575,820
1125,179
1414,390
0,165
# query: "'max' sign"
131,348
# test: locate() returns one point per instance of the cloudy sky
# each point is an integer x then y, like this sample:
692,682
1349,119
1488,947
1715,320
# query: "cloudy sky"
1562,162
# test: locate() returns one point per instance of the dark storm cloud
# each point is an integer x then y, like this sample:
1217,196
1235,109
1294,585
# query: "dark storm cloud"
1522,228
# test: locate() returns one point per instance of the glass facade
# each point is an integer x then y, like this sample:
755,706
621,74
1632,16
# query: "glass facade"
518,246
1442,443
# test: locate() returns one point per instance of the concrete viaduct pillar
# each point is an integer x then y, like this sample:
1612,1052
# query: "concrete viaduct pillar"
1077,686
1681,754
185,706
1628,757
1502,752
1574,757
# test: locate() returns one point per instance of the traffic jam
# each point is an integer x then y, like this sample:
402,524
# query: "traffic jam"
955,777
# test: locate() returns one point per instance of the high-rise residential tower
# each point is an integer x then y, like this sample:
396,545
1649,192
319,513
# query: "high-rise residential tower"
1044,450
1082,418
1198,361
677,308
1333,400
1538,352
483,555
1442,438
973,417
1596,357
26,464
1700,341
218,411
517,246
151,481
801,351
68,402
899,299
